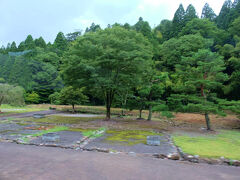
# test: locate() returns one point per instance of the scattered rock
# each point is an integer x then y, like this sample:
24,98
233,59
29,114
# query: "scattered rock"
235,163
225,161
102,150
132,154
173,156
212,161
196,156
160,156
192,158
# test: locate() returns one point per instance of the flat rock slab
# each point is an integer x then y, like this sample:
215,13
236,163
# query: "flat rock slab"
78,115
66,139
166,147
10,127
14,128
15,135
28,114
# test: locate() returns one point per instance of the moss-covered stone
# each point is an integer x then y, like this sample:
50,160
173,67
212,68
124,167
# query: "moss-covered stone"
129,137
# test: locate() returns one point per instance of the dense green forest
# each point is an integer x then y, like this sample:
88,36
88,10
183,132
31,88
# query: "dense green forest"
188,64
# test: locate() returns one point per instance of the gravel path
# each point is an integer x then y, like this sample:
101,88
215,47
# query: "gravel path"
22,162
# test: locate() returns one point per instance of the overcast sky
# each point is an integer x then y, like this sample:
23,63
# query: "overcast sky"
46,18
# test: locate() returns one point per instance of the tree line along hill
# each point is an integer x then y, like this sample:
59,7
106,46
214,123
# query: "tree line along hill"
188,64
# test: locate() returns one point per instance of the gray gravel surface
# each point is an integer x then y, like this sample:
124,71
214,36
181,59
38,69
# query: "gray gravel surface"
23,162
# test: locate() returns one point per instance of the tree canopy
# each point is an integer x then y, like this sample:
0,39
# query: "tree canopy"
107,61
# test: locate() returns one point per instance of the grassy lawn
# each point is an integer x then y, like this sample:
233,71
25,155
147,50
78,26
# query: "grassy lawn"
8,109
225,144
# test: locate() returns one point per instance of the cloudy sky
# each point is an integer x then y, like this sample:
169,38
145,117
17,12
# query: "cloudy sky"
46,18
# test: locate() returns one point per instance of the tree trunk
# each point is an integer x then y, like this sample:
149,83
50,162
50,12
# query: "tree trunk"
150,106
122,112
206,114
0,109
109,95
208,122
140,113
108,115
150,113
108,105
73,107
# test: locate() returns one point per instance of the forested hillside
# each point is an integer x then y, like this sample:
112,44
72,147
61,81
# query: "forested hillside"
190,61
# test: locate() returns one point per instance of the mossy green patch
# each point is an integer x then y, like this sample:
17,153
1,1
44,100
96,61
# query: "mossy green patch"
129,137
95,133
225,144
55,119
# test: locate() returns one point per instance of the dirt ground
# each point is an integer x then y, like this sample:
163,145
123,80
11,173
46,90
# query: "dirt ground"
183,120
197,120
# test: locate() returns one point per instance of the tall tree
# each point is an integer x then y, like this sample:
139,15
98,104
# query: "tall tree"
21,46
127,26
235,11
73,36
223,18
200,76
40,42
93,28
13,47
144,28
208,13
178,20
235,27
235,3
8,48
60,43
29,43
190,13
107,61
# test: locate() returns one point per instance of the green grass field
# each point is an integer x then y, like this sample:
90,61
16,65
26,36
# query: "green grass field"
225,144
8,109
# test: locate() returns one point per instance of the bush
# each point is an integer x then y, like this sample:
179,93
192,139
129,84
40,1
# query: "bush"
55,98
32,98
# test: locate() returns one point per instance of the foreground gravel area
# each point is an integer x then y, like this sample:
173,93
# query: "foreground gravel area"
23,162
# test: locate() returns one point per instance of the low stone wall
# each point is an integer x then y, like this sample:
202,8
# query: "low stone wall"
197,159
